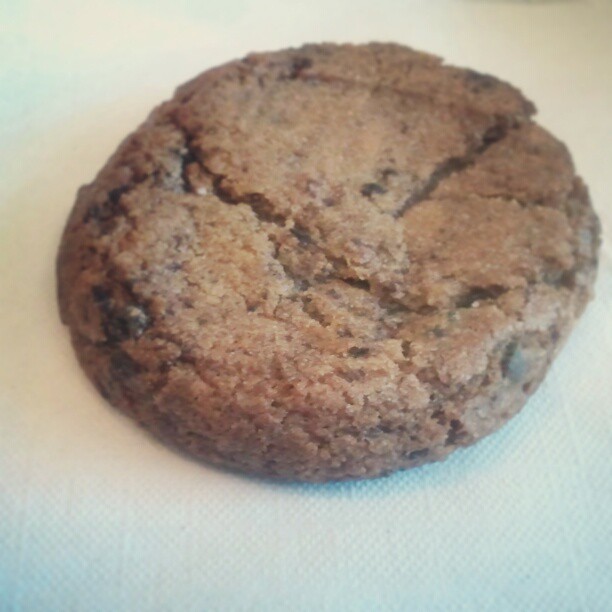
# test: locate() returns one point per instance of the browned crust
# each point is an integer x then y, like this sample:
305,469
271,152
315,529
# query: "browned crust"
330,262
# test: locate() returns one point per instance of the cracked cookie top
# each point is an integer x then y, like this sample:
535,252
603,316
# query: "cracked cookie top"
322,262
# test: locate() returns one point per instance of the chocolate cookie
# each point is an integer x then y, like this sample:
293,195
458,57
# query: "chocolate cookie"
330,262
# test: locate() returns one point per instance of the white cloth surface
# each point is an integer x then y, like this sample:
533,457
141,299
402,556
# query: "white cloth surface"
96,515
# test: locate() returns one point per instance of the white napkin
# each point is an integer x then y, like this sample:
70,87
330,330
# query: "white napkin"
96,515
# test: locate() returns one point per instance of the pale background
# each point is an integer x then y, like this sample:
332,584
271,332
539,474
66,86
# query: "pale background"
95,515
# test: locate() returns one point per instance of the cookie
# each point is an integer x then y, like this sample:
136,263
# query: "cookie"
328,262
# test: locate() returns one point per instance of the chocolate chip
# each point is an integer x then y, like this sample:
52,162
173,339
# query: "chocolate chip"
115,328
455,433
352,375
568,279
356,351
476,294
120,325
100,294
358,283
369,189
106,212
513,363
301,234
418,454
479,81
114,195
298,65
493,134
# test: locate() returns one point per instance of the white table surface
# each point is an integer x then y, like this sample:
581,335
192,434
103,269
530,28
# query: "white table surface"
96,515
